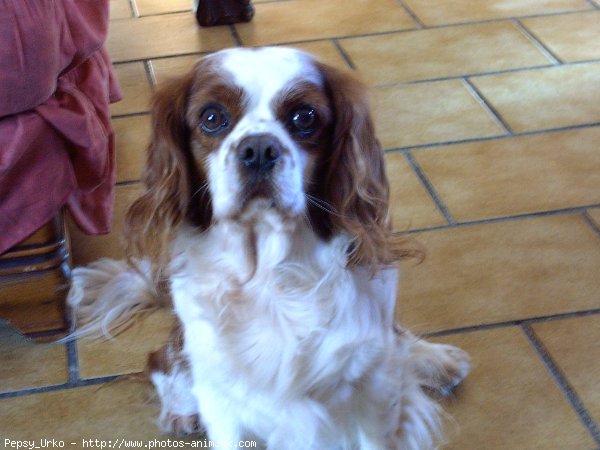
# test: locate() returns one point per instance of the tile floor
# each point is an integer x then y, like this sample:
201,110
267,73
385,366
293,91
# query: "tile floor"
489,112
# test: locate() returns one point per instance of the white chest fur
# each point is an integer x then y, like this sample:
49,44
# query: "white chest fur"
277,329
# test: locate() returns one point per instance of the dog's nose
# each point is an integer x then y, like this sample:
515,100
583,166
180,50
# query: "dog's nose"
259,152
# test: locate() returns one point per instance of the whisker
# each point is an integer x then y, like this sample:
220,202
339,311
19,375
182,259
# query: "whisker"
322,204
203,187
308,221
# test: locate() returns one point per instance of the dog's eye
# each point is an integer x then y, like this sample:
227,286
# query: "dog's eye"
305,120
214,119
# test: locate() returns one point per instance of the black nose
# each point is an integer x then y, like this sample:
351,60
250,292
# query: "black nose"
259,152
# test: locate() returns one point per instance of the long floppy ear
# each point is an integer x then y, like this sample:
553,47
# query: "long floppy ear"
171,179
353,182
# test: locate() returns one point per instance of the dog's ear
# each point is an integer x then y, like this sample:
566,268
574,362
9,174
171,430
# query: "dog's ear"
353,183
170,177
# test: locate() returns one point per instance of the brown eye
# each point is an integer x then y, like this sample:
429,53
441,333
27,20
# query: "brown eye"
214,119
305,120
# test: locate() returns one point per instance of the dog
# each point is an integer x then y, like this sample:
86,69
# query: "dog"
265,225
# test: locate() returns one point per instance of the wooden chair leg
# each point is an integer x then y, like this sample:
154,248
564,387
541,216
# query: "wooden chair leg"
34,280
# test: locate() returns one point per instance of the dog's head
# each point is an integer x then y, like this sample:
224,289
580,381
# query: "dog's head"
249,129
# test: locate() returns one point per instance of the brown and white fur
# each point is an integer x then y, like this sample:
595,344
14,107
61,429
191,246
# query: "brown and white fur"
265,218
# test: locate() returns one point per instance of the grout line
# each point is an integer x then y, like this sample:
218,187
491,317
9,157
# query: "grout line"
340,37
594,4
134,8
549,213
469,329
537,42
591,222
565,386
412,14
150,75
345,55
159,57
128,182
59,387
73,361
133,114
167,13
485,74
561,316
468,75
430,189
235,35
48,334
433,145
508,18
495,114
511,323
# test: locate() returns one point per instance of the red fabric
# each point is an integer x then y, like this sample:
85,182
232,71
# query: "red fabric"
56,139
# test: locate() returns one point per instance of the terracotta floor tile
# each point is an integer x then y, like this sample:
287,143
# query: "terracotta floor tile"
571,37
120,9
441,12
119,410
86,249
164,35
326,51
432,112
24,364
442,52
500,272
167,68
595,215
149,7
136,88
573,345
126,352
509,400
132,136
545,98
279,22
516,175
410,204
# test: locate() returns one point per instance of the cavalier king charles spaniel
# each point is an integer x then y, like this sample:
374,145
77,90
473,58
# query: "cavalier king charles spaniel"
264,225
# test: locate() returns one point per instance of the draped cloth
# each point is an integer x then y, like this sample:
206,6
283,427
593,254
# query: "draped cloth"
56,139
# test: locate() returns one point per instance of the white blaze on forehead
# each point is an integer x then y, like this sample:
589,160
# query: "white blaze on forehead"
264,72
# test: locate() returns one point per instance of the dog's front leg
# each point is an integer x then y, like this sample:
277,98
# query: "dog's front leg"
440,367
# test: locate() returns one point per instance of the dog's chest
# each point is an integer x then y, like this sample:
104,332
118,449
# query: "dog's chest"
283,310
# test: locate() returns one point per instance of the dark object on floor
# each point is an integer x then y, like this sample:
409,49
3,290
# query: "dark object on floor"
223,12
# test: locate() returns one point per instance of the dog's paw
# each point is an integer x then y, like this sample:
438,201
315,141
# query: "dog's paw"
456,365
440,367
180,426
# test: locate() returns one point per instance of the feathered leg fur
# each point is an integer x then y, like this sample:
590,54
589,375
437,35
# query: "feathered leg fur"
107,294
